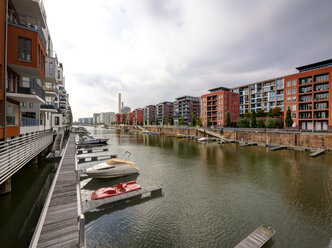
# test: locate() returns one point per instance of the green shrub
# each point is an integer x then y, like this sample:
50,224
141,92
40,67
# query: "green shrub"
243,122
271,123
260,123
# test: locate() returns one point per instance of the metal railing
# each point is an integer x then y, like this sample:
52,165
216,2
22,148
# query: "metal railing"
18,151
34,89
28,122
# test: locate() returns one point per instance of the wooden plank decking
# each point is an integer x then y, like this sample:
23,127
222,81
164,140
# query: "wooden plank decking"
257,238
58,224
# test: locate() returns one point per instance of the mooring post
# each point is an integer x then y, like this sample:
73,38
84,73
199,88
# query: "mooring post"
82,231
6,186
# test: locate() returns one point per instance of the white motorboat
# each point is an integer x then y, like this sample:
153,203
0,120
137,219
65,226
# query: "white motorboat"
203,139
88,140
114,167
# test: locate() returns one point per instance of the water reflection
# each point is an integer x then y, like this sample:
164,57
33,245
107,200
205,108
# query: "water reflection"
215,195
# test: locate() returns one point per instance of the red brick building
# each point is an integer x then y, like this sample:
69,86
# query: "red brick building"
217,103
138,116
308,95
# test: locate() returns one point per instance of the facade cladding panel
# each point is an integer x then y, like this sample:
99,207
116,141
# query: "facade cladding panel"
217,103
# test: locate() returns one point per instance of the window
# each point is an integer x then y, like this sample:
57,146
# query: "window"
293,115
30,105
294,82
288,99
51,69
24,49
288,83
11,114
294,99
294,107
23,104
57,120
322,77
294,90
288,91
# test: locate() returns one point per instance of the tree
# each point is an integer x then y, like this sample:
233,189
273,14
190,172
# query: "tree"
208,123
271,123
243,122
163,121
288,119
172,121
276,111
193,121
200,122
228,120
253,119
260,113
260,123
181,122
270,114
146,122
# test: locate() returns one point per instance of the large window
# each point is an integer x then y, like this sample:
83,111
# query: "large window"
24,49
11,114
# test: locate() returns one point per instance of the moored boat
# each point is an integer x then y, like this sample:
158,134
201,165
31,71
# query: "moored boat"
121,188
114,167
88,140
180,136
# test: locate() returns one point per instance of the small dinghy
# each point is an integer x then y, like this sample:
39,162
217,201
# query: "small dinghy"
116,190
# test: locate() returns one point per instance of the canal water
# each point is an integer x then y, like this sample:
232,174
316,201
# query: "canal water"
214,195
20,209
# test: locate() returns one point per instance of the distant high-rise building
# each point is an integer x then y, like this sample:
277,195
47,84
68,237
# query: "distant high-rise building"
119,104
217,103
164,112
96,118
186,107
126,109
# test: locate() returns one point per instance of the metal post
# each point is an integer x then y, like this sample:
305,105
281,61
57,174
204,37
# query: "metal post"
6,73
82,231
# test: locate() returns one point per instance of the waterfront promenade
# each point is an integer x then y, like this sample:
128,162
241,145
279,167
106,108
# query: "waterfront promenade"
58,225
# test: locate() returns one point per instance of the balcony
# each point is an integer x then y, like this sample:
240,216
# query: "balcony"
32,94
26,46
48,108
28,122
51,72
321,115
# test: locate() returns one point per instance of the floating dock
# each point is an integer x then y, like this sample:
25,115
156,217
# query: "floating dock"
276,148
58,224
317,153
91,150
79,146
248,144
257,238
86,159
144,192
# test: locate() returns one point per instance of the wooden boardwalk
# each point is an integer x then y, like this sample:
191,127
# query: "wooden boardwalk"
90,205
257,238
58,225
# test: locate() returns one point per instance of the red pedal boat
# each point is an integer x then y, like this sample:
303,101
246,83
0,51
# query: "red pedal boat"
116,190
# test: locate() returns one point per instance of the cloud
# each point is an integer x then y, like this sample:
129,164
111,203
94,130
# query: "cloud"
152,51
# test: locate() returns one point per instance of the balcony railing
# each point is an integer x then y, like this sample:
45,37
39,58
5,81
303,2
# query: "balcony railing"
28,22
28,122
34,89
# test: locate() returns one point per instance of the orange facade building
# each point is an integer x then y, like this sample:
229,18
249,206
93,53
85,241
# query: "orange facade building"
308,95
217,103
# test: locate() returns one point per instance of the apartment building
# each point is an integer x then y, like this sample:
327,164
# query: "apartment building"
28,83
164,112
217,103
264,95
85,120
138,115
308,95
186,107
150,114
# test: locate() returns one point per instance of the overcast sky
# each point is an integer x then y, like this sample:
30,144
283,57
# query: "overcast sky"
155,50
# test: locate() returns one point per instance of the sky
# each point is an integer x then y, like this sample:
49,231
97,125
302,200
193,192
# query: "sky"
152,51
